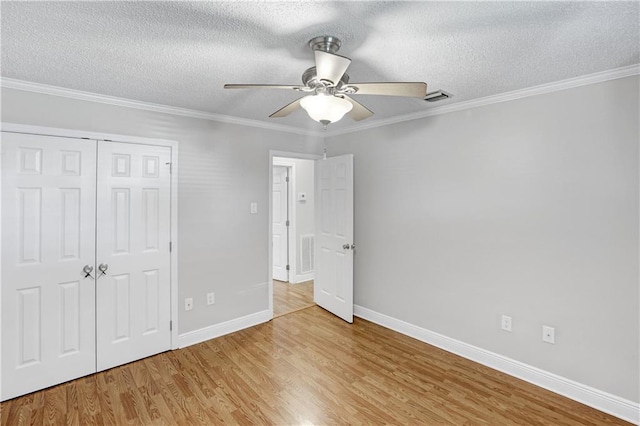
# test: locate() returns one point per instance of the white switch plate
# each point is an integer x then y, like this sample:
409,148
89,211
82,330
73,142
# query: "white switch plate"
548,334
211,298
506,323
254,208
188,304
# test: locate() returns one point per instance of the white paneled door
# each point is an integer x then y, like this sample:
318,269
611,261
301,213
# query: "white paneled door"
133,257
85,257
48,249
280,225
333,285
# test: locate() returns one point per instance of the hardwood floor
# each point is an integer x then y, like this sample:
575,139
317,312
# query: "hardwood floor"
307,367
289,298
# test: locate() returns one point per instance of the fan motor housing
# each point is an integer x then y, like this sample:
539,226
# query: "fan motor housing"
309,78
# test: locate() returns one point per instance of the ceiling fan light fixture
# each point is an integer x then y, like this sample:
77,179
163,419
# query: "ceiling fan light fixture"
325,108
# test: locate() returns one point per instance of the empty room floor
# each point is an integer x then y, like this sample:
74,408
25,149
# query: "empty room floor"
307,367
289,298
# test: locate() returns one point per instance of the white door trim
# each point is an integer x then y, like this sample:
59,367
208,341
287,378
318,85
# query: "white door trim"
292,246
291,241
81,134
290,217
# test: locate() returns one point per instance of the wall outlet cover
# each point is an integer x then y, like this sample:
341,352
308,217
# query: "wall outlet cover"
548,334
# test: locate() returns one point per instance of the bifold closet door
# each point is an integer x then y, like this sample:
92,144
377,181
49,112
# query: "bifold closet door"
132,256
48,248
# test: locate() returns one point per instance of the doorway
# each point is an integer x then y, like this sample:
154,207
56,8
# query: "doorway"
292,229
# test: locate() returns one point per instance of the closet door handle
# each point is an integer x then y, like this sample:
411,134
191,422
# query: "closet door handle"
87,270
103,268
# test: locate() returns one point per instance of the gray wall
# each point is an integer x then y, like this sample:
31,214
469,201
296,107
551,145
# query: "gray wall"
222,169
527,208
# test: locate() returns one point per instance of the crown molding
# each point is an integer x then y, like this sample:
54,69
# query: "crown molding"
46,89
598,77
570,83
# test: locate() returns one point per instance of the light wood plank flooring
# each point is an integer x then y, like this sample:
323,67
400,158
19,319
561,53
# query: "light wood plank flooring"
307,367
289,298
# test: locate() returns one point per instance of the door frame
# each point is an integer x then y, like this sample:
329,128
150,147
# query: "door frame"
290,215
99,136
292,245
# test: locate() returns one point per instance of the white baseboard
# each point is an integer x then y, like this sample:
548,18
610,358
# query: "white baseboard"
211,332
303,278
600,400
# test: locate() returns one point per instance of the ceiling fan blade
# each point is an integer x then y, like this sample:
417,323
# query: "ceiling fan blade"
330,67
412,90
287,109
261,86
359,111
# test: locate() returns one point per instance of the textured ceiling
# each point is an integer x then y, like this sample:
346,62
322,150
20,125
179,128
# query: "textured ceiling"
181,53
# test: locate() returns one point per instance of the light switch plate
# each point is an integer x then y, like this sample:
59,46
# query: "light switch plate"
506,323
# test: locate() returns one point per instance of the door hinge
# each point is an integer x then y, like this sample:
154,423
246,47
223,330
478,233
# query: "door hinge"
287,267
170,167
287,223
170,246
287,179
170,325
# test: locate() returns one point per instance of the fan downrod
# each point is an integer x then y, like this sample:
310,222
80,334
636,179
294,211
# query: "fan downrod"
325,43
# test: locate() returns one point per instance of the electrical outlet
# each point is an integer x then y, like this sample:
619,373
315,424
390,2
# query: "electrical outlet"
506,323
548,334
211,298
188,304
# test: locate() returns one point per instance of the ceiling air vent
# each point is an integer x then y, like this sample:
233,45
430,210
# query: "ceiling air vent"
439,95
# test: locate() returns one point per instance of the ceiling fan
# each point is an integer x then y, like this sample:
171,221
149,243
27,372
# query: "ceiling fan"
327,87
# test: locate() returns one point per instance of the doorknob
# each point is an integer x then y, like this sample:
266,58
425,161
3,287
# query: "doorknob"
345,246
103,268
88,269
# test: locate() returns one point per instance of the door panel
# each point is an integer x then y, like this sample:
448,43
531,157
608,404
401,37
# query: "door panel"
279,227
333,286
133,295
48,236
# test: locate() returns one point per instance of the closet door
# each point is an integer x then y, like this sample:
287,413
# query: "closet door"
133,258
48,248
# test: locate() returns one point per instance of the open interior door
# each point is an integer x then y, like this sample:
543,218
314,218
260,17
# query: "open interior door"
333,285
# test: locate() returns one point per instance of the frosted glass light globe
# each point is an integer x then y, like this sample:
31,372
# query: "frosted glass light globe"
325,108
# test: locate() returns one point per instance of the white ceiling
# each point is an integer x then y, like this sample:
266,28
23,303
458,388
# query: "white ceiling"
181,53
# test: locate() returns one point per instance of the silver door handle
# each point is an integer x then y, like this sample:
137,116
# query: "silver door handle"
87,270
103,268
345,246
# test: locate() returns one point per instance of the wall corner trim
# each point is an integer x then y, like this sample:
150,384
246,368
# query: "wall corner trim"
555,86
600,400
227,327
45,89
